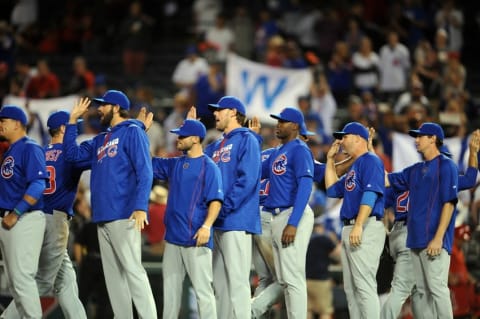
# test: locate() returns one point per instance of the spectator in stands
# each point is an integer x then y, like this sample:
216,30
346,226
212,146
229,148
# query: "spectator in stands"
267,28
294,58
305,29
323,103
243,30
441,45
181,105
83,80
353,35
451,20
204,15
275,53
328,30
22,75
135,34
394,67
429,71
189,69
365,67
45,84
415,94
221,37
322,250
339,73
155,230
208,89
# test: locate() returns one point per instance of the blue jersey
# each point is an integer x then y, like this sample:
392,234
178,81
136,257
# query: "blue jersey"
366,174
62,181
399,200
431,184
284,168
318,171
193,184
264,182
122,175
237,155
23,163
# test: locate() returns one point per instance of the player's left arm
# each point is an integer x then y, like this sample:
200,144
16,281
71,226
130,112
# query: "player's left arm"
139,154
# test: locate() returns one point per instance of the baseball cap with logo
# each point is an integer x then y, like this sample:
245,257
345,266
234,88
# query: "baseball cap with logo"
290,114
353,128
114,97
57,119
191,128
228,102
428,128
13,112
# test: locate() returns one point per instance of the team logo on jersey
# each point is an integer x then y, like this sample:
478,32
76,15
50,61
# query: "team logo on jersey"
223,154
7,167
109,149
279,166
350,181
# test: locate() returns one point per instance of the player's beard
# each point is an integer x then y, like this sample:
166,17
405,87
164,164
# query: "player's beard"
106,118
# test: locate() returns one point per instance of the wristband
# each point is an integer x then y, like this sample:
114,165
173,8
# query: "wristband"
206,227
17,212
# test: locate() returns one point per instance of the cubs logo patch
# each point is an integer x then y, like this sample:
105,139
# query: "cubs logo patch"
7,167
112,151
350,181
279,166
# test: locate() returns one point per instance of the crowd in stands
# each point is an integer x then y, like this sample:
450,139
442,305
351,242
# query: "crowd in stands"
391,65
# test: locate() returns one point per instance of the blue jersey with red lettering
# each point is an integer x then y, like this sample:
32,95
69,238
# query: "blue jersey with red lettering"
237,155
122,174
193,184
285,166
22,163
366,174
63,178
431,184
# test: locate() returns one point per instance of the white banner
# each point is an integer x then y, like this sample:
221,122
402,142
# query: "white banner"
405,153
43,107
265,89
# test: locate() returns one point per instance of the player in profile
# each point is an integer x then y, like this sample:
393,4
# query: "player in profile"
363,234
194,200
22,182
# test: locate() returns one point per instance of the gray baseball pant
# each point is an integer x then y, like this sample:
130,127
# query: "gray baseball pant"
196,262
21,247
360,265
125,277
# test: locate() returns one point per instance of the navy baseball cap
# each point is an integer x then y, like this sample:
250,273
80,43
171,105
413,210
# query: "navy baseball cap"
290,114
228,102
57,119
13,112
428,128
304,131
191,127
354,128
445,151
114,97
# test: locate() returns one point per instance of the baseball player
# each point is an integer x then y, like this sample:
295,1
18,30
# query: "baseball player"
120,183
237,154
55,267
428,140
194,201
363,235
290,172
432,186
21,202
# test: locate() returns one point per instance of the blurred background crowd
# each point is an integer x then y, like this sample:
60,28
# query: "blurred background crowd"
388,64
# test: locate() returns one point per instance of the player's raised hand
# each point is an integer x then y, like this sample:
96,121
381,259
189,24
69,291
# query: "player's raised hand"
254,125
474,143
145,117
371,134
140,219
192,113
333,151
80,107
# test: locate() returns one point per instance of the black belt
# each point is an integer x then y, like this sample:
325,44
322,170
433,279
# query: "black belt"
275,211
349,222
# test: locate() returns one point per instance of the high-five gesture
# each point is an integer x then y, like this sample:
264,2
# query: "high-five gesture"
79,109
192,113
